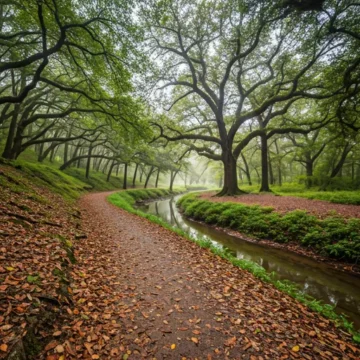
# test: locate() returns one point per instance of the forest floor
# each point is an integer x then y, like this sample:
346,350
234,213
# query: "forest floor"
149,293
284,204
137,291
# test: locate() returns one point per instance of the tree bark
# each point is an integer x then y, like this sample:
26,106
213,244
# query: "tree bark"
8,152
264,165
271,173
247,170
309,166
157,178
172,178
125,175
278,163
230,186
135,173
341,161
53,153
148,177
110,170
88,162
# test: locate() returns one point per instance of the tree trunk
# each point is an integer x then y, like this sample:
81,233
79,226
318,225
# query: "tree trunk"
278,163
279,173
79,161
172,178
110,171
264,165
125,175
8,151
88,162
338,166
135,173
271,173
230,186
66,152
105,167
148,177
157,178
98,164
53,153
341,162
258,176
309,173
247,170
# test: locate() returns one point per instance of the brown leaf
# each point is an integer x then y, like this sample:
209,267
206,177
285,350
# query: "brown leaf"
230,342
195,340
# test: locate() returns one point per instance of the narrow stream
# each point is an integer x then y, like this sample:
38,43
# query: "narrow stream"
313,278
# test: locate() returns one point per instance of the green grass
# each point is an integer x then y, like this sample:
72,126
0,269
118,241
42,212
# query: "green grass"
126,201
70,183
42,176
333,236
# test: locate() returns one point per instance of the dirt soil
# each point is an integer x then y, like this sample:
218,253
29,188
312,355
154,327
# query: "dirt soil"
284,204
142,292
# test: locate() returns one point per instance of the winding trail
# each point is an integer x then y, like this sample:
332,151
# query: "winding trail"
148,293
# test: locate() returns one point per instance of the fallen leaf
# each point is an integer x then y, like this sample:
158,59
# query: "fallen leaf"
59,349
195,340
230,342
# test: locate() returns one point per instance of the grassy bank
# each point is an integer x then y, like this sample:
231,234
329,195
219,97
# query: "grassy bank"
333,236
70,183
126,201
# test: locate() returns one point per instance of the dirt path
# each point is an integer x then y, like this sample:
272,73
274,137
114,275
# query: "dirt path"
284,204
142,292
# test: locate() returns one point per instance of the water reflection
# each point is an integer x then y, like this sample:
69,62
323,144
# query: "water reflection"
315,279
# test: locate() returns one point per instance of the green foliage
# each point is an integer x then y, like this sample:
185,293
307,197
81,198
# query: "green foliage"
334,236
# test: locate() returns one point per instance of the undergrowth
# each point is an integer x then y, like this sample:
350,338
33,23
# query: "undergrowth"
333,236
126,200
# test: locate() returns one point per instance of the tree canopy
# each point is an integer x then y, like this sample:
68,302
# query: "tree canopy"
119,81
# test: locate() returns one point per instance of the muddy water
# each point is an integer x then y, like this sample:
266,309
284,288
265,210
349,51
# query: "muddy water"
313,278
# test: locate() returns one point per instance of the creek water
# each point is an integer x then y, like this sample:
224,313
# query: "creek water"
316,279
